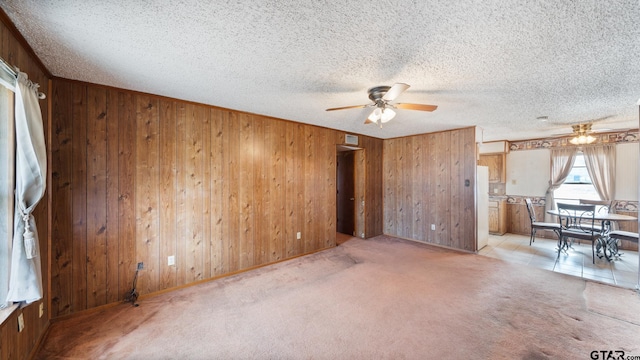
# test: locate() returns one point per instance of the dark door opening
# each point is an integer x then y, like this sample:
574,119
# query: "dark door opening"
345,193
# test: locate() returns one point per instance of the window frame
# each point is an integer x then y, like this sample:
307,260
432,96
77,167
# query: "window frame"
575,199
7,189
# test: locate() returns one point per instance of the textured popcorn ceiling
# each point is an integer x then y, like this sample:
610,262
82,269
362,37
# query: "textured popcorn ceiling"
492,63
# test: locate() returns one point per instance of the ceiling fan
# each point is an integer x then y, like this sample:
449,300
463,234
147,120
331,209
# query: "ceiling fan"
381,97
582,134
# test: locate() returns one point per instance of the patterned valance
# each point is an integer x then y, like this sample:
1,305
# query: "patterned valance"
604,138
619,205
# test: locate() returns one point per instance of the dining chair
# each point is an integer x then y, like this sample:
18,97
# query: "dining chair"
602,207
577,222
614,237
538,225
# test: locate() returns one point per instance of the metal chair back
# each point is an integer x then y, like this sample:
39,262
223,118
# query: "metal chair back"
577,220
530,210
602,206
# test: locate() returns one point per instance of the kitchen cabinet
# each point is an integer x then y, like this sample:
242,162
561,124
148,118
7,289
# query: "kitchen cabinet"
496,165
497,216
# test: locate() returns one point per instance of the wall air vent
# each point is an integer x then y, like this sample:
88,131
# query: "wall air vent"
351,139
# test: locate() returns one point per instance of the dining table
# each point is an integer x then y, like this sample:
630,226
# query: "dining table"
608,246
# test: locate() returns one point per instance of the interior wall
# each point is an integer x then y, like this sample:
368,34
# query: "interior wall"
425,180
14,344
139,178
528,172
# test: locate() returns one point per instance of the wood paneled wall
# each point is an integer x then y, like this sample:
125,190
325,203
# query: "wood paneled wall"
14,344
518,221
138,178
424,184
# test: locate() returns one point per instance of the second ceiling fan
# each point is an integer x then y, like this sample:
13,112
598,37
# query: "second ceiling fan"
382,97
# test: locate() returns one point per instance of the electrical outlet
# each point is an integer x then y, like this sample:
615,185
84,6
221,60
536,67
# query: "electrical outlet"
140,265
299,235
20,322
171,260
41,310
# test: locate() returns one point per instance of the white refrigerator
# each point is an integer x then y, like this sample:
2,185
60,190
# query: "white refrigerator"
482,206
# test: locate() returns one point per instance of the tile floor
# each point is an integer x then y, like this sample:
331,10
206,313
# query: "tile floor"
514,248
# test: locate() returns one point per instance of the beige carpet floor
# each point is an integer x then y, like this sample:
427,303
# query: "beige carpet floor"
381,298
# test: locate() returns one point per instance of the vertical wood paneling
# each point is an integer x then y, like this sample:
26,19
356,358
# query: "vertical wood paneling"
276,131
327,169
182,201
96,227
401,183
205,137
245,192
389,187
373,187
151,177
296,180
193,165
430,173
309,189
456,187
261,202
219,259
232,167
425,183
168,241
112,224
79,195
416,182
146,193
468,154
62,209
126,229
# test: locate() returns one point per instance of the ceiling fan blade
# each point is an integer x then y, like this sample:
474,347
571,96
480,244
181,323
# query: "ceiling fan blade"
395,91
421,107
348,107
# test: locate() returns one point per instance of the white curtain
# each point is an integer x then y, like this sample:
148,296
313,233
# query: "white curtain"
601,165
561,163
25,279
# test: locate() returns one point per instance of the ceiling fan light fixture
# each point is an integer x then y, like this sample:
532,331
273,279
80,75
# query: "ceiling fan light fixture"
582,136
582,139
375,115
387,114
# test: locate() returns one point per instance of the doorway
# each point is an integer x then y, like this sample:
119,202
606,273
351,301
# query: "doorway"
345,192
350,193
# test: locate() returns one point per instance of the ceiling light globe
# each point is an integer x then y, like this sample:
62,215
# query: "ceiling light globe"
375,115
387,115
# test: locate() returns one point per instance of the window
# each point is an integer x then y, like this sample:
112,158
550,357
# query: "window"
578,184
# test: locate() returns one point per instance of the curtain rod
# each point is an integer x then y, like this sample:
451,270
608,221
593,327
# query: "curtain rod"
8,68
